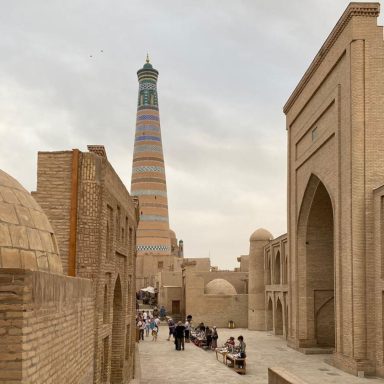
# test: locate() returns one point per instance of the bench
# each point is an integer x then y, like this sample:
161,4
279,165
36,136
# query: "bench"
238,364
222,354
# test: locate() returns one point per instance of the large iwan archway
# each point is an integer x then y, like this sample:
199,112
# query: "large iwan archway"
316,254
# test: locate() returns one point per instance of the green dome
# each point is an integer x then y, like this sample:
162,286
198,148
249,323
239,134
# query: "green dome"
147,66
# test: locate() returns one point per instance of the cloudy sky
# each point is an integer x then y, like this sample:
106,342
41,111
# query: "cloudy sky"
68,79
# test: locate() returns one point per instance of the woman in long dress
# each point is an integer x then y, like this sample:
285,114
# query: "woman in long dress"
215,336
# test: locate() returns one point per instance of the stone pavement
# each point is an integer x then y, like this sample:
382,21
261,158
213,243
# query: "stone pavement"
160,361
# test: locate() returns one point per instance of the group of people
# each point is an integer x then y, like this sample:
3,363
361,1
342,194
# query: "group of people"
147,322
180,332
210,334
240,348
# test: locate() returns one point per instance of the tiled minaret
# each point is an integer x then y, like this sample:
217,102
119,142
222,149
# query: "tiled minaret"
148,170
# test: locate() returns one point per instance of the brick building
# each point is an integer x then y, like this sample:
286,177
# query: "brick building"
95,220
67,303
322,285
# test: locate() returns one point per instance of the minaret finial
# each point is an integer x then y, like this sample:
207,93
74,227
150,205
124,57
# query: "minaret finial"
147,60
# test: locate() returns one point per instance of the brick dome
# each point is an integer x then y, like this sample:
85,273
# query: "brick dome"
27,240
261,234
220,287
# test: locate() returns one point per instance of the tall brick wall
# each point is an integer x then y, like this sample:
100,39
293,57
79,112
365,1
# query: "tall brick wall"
53,193
106,224
46,328
335,140
107,256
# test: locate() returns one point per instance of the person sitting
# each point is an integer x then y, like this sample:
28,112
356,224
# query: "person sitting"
230,343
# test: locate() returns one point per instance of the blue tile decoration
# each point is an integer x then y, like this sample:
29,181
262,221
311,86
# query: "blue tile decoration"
147,128
148,148
152,248
153,218
148,117
143,86
148,168
149,192
148,138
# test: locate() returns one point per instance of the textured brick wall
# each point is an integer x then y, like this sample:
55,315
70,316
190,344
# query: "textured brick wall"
335,139
53,193
108,257
105,247
46,328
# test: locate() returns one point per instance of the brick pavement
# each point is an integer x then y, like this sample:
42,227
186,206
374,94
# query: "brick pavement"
160,361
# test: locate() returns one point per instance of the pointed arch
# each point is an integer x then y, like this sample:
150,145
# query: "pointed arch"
270,315
277,269
278,317
315,251
117,334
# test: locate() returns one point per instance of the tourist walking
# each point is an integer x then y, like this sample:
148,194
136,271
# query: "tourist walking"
187,331
208,335
163,312
171,327
142,328
147,326
179,336
215,336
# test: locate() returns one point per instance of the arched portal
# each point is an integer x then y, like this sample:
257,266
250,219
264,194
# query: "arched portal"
316,254
278,318
277,273
270,315
117,335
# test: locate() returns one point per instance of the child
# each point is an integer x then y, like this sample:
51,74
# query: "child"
154,333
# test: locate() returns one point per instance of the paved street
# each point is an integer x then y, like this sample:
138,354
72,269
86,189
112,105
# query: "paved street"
160,361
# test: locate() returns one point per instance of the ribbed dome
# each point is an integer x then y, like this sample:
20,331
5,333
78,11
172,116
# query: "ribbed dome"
220,287
27,240
261,234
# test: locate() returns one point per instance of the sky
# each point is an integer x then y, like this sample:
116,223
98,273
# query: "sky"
68,79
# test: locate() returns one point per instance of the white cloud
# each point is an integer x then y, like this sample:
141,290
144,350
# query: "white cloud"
226,69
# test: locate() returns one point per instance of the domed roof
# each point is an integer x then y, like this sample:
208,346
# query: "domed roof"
27,240
172,234
261,234
220,287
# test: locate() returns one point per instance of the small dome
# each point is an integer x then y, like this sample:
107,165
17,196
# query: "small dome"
27,240
261,234
147,66
172,234
220,287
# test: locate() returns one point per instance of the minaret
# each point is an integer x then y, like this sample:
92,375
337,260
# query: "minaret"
148,171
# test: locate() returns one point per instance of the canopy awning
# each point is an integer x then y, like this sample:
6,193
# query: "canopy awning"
148,289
